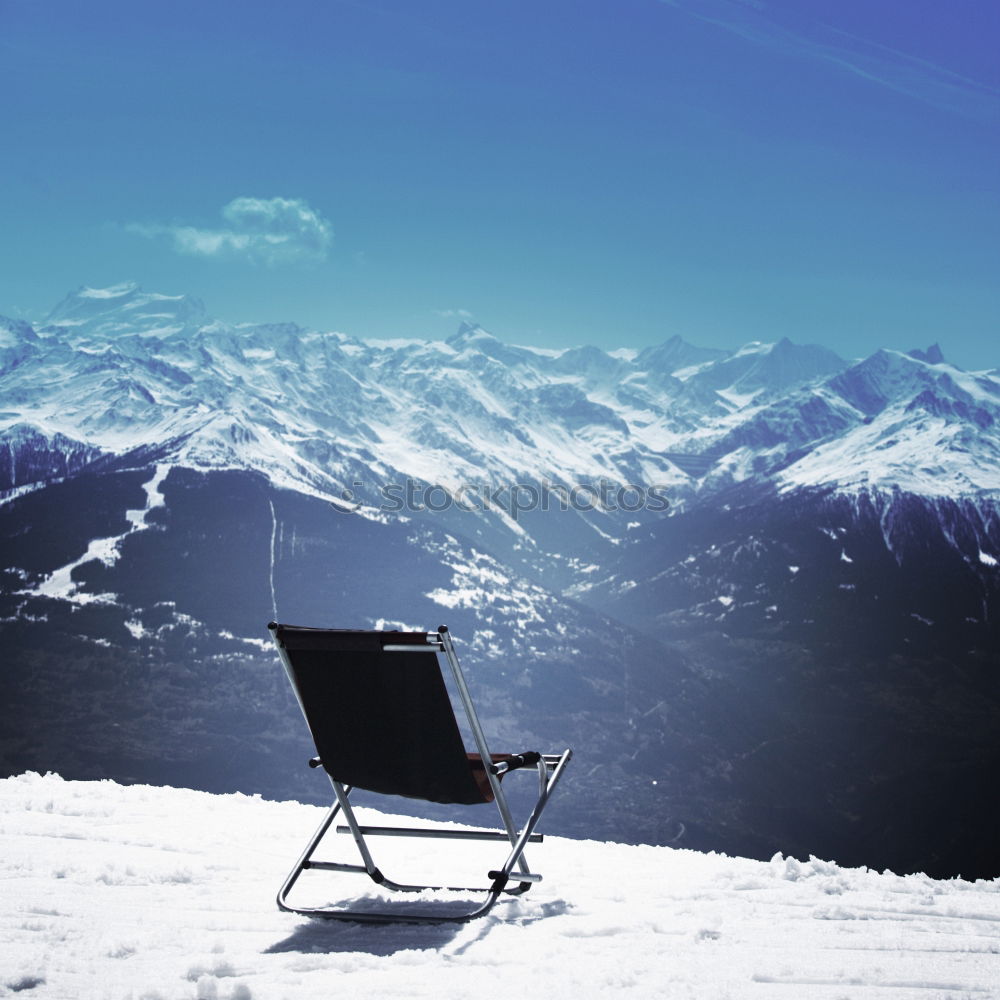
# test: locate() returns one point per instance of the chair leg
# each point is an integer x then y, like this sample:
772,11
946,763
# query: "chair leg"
501,876
303,861
352,822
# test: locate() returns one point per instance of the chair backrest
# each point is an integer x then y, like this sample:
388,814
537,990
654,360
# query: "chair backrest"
382,720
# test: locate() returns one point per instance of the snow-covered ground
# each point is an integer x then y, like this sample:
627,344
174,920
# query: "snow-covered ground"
141,892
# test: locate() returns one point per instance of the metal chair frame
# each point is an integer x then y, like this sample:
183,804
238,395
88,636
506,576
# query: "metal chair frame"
513,878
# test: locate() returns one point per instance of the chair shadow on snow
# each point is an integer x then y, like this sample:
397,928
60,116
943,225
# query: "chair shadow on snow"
380,940
316,935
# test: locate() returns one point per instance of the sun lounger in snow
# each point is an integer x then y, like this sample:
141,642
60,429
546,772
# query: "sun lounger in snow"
382,719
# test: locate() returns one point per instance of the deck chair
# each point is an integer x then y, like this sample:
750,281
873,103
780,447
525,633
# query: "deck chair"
382,719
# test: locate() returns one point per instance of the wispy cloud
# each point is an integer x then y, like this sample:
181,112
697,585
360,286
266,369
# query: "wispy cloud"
881,65
263,230
453,313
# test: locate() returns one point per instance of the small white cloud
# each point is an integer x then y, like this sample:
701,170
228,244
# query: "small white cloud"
264,230
453,313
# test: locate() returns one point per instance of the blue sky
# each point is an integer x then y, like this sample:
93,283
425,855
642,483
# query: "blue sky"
563,171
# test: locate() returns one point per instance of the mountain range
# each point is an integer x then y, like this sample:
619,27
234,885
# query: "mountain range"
756,589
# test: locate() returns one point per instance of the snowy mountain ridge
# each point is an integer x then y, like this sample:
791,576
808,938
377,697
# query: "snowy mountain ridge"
116,370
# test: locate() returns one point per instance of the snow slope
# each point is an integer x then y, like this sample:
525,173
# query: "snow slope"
146,892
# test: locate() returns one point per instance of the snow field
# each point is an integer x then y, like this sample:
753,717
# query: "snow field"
159,893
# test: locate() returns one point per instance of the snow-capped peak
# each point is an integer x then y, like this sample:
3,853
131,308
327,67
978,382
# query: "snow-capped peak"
126,308
932,355
468,333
